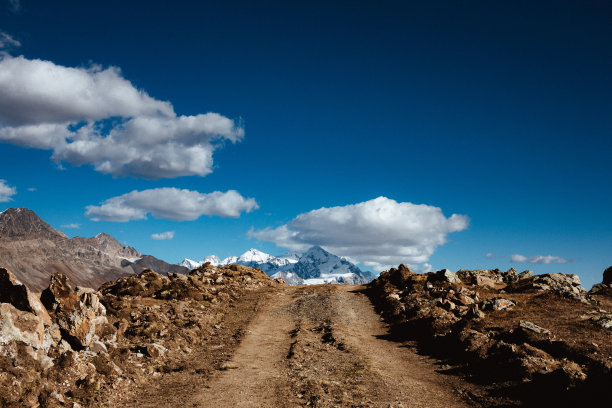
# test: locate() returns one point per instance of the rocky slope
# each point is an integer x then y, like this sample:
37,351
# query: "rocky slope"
532,340
33,251
81,347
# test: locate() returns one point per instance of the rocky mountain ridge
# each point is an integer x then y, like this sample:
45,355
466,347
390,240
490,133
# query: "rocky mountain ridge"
33,251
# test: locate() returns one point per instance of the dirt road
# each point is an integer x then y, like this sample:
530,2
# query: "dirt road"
320,346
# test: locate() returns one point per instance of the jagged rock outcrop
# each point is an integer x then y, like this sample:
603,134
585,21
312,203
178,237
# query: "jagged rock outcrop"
78,313
17,294
532,339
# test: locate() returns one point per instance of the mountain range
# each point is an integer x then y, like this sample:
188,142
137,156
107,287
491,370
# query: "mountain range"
33,251
315,266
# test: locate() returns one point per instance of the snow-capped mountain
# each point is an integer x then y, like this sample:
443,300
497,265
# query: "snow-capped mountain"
255,256
313,267
189,263
319,266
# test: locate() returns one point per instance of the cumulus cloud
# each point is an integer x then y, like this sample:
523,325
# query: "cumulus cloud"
171,204
379,233
163,236
490,255
7,41
539,259
6,192
94,116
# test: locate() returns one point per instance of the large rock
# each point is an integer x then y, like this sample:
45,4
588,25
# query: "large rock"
78,313
607,276
480,277
17,294
19,326
446,275
566,285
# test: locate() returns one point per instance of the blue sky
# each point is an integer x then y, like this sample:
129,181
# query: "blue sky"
498,112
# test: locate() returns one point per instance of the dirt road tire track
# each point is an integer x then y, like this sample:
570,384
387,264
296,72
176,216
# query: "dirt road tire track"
324,346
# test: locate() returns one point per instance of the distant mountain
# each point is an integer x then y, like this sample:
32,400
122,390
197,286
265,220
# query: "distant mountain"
21,224
313,267
151,262
33,251
191,264
319,266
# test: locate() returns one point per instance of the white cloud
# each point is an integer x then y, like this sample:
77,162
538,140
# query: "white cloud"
162,236
71,226
171,204
6,192
379,233
539,259
32,189
94,116
490,255
7,41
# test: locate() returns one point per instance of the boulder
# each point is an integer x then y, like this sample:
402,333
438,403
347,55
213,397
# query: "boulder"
510,276
497,304
19,326
446,275
531,327
17,294
77,313
480,277
566,285
607,276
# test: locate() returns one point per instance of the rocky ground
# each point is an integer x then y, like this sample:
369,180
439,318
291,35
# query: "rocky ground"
528,340
231,336
81,347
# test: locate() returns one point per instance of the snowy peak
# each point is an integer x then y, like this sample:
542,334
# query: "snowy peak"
255,256
213,259
316,254
229,260
190,263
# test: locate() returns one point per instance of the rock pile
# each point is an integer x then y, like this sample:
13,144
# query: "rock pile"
75,344
523,334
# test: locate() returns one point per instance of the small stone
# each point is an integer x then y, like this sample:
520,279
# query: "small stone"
524,324
156,350
498,304
98,347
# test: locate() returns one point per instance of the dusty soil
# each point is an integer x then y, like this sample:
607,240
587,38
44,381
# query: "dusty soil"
320,346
